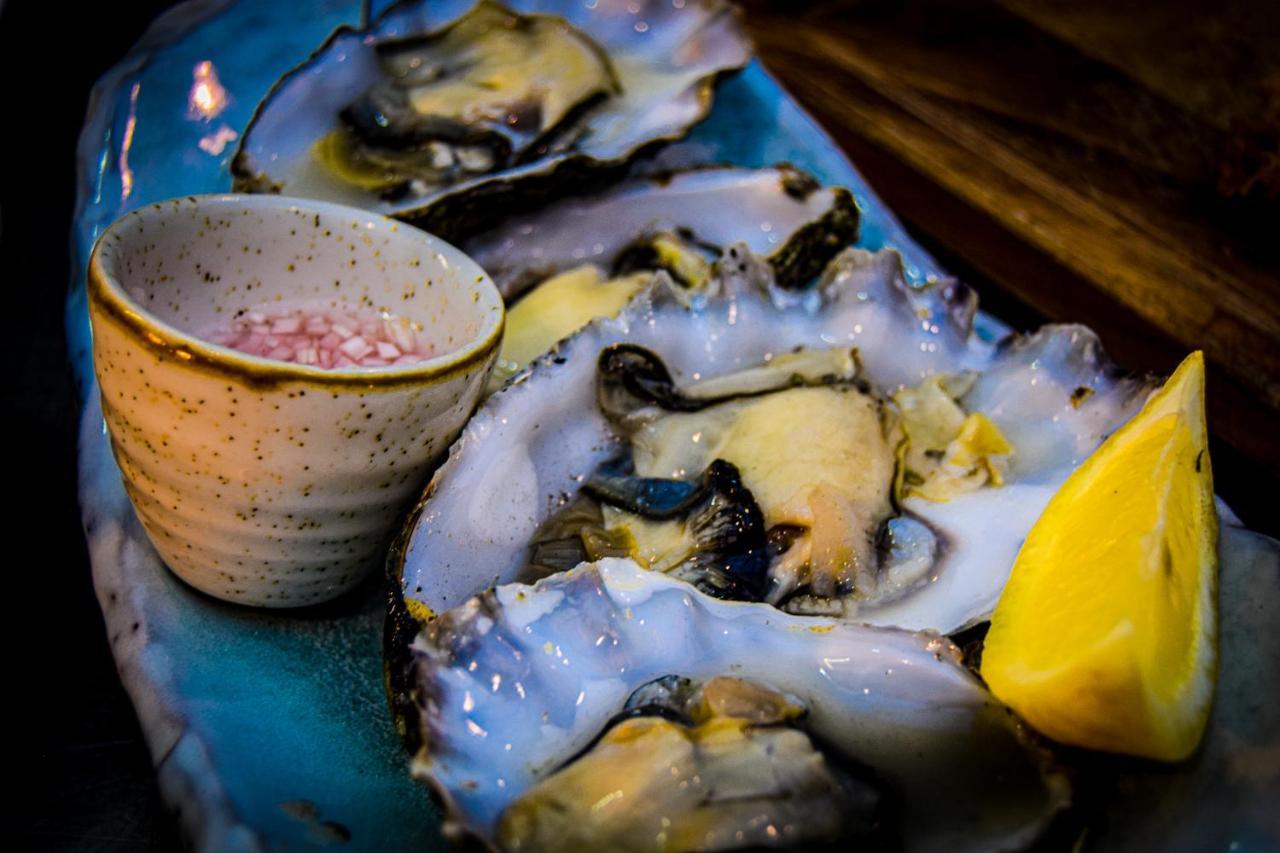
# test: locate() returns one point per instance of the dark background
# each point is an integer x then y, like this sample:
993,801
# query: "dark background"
82,778
79,777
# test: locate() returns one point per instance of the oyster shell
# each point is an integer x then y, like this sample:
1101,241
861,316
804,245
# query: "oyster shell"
519,680
531,446
780,213
650,81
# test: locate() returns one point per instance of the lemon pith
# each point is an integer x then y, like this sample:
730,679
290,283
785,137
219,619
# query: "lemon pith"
1105,635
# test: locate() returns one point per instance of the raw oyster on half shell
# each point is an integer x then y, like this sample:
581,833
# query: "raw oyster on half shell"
615,708
780,213
480,95
925,563
454,115
587,257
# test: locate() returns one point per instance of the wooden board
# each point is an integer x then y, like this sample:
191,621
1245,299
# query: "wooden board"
1100,162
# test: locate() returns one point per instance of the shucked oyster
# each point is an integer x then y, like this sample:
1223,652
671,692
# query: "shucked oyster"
587,257
483,94
453,117
780,213
615,708
937,564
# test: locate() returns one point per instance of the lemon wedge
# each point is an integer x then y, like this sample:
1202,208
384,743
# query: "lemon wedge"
1106,634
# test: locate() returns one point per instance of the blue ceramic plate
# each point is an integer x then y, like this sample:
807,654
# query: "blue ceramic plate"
272,731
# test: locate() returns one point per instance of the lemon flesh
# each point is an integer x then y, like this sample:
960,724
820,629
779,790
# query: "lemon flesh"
1105,636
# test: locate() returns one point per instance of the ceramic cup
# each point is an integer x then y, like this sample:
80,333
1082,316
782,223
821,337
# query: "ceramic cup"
265,482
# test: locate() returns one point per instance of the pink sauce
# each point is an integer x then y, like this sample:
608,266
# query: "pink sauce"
323,336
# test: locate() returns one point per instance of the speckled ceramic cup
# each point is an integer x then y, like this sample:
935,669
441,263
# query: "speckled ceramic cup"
265,482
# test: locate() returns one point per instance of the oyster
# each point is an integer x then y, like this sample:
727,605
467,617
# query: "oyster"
587,257
940,565
454,117
663,715
482,94
781,213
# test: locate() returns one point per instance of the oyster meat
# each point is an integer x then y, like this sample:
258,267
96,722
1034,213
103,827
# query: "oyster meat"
717,765
795,464
454,116
483,94
615,708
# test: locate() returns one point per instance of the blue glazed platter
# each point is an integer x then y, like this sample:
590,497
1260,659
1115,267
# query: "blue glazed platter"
271,731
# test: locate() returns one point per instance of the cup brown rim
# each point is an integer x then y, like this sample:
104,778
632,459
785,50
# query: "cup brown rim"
106,294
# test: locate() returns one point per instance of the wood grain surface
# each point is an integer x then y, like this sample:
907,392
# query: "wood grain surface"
1107,162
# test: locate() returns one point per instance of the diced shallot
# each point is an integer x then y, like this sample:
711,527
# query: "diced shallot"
327,338
356,347
400,334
